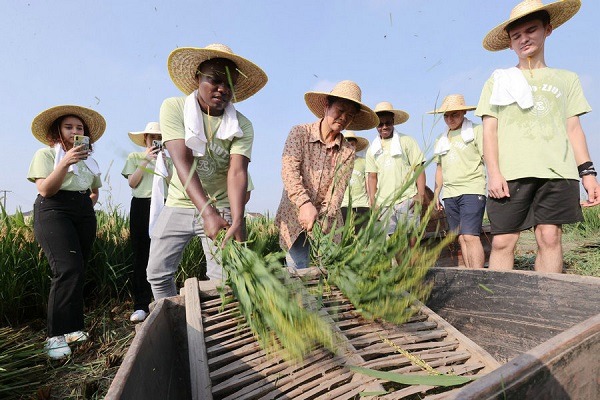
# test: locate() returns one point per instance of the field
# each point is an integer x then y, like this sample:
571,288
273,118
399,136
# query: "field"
24,283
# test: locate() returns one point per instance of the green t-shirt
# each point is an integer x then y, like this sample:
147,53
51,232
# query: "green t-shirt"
212,167
42,166
393,172
144,189
462,165
533,143
356,186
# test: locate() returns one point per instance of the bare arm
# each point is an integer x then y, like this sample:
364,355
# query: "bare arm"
237,189
439,182
183,160
94,196
372,187
581,153
135,178
50,185
421,182
497,185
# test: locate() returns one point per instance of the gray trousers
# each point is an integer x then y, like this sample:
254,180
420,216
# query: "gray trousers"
174,228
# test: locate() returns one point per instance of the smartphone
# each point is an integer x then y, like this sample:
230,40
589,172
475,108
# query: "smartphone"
157,144
82,140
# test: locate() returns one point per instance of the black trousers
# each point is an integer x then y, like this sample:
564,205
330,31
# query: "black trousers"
359,213
139,217
65,228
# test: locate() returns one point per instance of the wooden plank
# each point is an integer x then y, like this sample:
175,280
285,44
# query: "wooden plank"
564,367
200,383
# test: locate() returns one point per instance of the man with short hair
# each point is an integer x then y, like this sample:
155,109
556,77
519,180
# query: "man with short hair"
459,156
391,163
533,143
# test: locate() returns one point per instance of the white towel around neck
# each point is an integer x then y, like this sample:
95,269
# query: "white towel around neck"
466,133
157,198
510,86
89,162
395,149
195,137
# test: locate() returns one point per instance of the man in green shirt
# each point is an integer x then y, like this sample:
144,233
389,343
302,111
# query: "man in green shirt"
534,146
460,173
210,143
392,160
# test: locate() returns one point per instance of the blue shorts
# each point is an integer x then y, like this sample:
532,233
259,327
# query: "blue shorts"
464,213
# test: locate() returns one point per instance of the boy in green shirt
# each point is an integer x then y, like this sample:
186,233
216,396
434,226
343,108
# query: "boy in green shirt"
533,143
459,157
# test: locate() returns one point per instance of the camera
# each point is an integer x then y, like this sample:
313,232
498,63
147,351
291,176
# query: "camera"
157,144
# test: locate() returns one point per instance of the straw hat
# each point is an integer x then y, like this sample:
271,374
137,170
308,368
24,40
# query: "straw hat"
348,90
399,115
41,124
560,12
361,142
452,102
152,128
183,64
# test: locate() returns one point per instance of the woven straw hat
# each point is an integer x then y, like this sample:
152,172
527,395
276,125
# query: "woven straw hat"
152,128
348,90
560,12
361,142
41,124
452,102
183,64
399,115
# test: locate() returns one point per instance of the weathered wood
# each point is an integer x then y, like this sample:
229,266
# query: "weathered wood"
200,383
508,313
564,367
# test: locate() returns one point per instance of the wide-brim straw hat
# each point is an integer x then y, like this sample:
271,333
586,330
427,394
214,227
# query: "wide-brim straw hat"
348,90
399,116
183,64
559,11
361,142
452,102
152,128
40,127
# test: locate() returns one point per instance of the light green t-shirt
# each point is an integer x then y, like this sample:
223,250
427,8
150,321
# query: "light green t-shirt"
42,166
356,186
462,165
212,167
534,142
393,172
144,189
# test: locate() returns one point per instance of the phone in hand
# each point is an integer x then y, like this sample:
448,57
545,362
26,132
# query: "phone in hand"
82,140
157,144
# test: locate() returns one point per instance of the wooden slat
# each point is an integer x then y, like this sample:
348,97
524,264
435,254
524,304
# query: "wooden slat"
199,378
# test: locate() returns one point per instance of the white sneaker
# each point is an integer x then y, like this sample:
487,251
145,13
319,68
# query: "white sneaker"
138,316
56,347
76,337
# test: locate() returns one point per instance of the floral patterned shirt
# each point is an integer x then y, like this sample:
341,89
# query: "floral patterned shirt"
312,171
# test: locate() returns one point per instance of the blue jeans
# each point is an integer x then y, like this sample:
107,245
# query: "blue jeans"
298,256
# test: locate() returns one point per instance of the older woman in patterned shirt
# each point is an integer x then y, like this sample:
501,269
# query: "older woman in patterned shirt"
316,166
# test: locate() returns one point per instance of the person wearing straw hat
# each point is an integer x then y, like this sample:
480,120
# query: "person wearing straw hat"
392,161
316,166
67,179
139,170
210,143
356,195
535,149
458,153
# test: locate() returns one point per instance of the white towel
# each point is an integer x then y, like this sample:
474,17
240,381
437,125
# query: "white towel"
89,162
195,138
510,86
466,133
157,199
395,149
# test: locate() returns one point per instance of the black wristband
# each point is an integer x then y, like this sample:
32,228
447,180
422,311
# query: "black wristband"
590,171
584,166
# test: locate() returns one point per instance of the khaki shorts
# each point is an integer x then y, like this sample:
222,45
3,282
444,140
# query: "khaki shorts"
400,215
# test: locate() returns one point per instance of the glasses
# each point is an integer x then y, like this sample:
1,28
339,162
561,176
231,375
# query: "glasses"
385,123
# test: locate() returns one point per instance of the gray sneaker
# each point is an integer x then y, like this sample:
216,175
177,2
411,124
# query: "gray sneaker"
76,337
56,347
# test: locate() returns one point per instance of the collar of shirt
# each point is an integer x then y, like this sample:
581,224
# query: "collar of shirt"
315,136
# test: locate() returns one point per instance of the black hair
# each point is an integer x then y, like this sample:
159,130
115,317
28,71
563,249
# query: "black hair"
541,15
332,99
53,135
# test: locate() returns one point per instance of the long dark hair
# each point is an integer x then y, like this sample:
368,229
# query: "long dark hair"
53,135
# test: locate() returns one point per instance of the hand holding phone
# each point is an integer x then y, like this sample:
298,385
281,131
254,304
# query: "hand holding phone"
80,140
157,144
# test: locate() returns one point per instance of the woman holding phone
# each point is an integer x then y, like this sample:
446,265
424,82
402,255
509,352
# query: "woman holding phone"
67,180
140,171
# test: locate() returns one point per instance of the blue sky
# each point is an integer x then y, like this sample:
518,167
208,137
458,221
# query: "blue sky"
111,56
